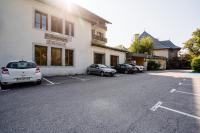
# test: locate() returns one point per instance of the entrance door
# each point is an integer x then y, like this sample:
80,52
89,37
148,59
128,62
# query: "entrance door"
114,60
99,58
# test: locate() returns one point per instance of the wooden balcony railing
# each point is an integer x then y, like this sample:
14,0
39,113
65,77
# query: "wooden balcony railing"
99,38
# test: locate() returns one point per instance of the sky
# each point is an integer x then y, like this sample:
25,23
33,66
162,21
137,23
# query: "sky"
163,19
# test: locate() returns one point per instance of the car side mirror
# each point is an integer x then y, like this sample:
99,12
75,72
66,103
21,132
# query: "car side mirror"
98,67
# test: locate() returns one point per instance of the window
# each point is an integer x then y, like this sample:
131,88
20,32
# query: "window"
69,28
69,57
21,65
100,34
41,20
56,25
56,56
114,60
41,55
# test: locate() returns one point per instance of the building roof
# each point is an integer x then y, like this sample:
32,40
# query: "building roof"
159,44
107,47
78,10
168,43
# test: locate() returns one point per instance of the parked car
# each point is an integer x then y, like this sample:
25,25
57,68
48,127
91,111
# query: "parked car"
100,69
138,68
20,72
125,68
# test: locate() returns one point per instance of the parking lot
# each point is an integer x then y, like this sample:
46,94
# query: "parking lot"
150,102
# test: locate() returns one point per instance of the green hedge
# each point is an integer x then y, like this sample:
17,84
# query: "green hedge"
196,64
153,65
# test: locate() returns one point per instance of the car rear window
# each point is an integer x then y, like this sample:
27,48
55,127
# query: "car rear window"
129,66
21,65
102,66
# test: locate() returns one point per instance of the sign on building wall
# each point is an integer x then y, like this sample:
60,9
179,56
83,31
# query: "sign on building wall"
53,39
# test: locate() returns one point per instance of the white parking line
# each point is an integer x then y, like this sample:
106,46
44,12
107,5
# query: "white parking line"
188,84
183,92
82,79
49,81
159,105
118,75
4,90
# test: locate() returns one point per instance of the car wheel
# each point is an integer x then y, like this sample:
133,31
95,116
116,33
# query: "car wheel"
111,74
102,74
126,72
88,72
39,82
4,87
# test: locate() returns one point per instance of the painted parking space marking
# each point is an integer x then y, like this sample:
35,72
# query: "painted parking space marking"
4,90
118,75
159,105
182,84
183,92
82,79
51,83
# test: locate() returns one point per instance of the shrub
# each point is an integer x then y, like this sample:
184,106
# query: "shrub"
153,65
196,64
179,63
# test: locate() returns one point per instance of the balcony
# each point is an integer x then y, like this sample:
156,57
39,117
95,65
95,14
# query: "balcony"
99,39
103,26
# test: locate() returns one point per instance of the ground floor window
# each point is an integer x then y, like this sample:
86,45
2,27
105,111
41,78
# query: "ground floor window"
69,57
99,58
114,60
56,56
41,55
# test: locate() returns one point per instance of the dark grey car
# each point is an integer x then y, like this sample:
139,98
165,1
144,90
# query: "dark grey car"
99,69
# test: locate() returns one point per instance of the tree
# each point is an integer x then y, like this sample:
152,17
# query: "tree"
134,46
144,45
193,44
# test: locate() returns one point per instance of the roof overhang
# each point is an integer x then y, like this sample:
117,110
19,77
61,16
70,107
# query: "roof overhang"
111,48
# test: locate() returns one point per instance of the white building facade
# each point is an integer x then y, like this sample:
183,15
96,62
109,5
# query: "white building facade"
59,40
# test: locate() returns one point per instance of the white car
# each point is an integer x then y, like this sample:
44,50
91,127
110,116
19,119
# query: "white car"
20,72
139,68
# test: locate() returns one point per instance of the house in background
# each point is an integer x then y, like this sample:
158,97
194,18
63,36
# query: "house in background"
163,52
61,39
162,48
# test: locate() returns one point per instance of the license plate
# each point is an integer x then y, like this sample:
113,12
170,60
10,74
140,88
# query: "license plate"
23,78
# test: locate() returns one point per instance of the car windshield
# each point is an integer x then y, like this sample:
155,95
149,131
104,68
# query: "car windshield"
103,66
129,66
21,65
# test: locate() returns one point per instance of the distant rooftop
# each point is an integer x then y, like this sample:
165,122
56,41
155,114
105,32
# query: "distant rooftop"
159,44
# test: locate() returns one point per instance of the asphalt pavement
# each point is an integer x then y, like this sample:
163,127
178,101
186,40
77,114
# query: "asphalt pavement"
150,102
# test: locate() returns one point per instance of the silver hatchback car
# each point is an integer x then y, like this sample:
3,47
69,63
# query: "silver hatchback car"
100,69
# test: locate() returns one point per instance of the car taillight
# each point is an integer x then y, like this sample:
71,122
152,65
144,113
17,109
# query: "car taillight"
37,70
5,71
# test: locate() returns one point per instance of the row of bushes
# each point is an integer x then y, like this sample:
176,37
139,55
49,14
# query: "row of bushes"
196,64
185,63
177,63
